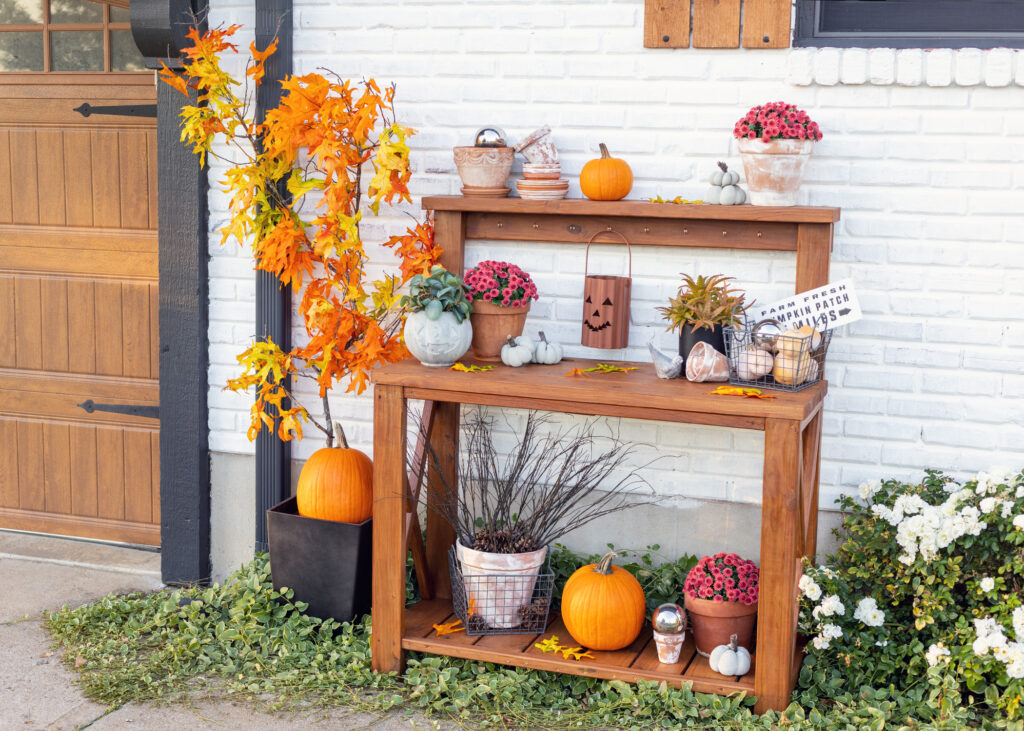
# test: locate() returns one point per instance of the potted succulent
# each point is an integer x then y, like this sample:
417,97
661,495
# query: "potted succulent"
514,502
501,294
437,330
721,601
775,141
701,308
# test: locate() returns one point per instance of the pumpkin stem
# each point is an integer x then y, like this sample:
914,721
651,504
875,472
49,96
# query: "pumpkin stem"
725,168
340,433
732,643
511,341
542,338
604,566
604,151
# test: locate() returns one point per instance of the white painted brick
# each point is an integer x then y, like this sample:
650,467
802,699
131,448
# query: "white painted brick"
882,66
854,66
826,66
999,67
956,382
885,429
939,67
800,70
968,67
1018,66
909,67
923,356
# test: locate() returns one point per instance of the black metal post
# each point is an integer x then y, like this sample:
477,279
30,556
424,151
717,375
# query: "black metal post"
273,302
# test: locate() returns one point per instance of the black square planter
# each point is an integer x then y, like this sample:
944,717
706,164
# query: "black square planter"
327,564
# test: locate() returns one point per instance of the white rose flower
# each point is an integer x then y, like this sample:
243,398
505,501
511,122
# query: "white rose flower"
980,647
831,631
987,505
1018,624
1015,670
987,584
1018,521
809,588
936,653
1020,491
868,489
820,643
868,612
832,605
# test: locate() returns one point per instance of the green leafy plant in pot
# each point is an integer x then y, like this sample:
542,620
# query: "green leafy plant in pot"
511,502
700,310
437,329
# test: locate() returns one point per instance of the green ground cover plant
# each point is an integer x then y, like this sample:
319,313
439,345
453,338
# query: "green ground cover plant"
245,640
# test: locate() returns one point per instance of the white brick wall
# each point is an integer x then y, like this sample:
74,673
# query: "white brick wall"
922,151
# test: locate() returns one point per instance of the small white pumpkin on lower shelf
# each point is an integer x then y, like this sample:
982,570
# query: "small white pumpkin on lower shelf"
517,352
546,352
730,659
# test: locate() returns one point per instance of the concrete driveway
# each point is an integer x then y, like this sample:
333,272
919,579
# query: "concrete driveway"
42,573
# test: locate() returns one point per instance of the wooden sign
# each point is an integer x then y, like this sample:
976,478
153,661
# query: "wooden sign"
825,308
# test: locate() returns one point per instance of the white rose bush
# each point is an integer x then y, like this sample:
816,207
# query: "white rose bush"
924,598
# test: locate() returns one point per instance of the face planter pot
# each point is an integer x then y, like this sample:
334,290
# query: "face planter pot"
606,305
438,342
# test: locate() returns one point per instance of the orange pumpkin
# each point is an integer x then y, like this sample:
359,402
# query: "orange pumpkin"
606,178
603,606
336,483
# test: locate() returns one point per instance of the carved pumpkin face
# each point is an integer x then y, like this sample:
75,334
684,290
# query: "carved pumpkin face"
597,317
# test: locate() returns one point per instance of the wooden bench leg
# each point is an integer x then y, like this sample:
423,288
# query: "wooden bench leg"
389,511
444,440
780,532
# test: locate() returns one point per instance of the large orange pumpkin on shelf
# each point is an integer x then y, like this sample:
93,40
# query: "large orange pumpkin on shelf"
607,178
336,483
603,606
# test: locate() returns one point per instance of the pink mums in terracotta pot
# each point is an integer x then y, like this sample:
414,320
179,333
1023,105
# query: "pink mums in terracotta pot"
724,577
776,121
499,282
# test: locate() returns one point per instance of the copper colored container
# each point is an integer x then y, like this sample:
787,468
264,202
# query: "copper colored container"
714,622
492,324
606,304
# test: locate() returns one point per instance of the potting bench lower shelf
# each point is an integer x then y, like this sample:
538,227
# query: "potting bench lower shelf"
639,661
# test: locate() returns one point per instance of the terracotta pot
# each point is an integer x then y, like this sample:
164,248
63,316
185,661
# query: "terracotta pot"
774,169
712,623
503,582
484,167
492,324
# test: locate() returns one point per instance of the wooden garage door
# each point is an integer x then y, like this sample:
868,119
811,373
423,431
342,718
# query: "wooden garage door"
78,275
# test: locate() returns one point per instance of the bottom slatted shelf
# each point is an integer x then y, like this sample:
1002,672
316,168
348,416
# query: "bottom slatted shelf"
639,661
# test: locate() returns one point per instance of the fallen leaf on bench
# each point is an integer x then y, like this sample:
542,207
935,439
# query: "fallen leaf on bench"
449,628
470,368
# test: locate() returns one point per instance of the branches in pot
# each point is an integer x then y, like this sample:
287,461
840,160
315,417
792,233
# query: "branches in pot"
550,483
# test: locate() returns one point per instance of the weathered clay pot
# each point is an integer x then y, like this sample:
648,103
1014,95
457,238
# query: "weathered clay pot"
774,169
484,167
714,622
438,342
505,582
538,147
492,324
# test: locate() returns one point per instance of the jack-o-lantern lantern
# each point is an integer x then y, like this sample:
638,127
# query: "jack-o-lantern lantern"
606,304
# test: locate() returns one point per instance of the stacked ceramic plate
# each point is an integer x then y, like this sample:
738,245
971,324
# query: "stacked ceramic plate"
542,181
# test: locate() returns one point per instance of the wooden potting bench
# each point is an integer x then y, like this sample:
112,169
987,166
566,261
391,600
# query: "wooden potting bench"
791,423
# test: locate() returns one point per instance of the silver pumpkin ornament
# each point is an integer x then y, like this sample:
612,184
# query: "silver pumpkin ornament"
490,137
669,623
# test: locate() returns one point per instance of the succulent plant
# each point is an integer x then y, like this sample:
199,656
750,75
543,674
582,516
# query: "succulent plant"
704,302
442,291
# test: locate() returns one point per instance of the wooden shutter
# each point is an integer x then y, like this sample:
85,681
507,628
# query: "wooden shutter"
717,23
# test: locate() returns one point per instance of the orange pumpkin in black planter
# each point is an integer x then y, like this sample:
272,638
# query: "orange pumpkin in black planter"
336,483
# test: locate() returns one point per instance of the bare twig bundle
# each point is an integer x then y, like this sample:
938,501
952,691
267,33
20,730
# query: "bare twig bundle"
550,483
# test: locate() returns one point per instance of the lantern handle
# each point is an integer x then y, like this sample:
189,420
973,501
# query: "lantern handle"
586,262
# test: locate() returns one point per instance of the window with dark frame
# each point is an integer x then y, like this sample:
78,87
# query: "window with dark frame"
910,23
66,35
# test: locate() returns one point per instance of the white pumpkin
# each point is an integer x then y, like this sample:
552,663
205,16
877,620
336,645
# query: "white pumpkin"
714,193
546,352
752,363
730,659
731,195
516,351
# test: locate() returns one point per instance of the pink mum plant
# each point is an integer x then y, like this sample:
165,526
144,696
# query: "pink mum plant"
776,121
724,577
501,283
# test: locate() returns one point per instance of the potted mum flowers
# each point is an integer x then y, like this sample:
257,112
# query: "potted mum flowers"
501,294
721,600
775,141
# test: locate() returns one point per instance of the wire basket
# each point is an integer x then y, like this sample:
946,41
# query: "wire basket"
501,604
762,357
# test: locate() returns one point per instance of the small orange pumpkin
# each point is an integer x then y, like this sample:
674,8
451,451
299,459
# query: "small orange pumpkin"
606,178
603,606
336,483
